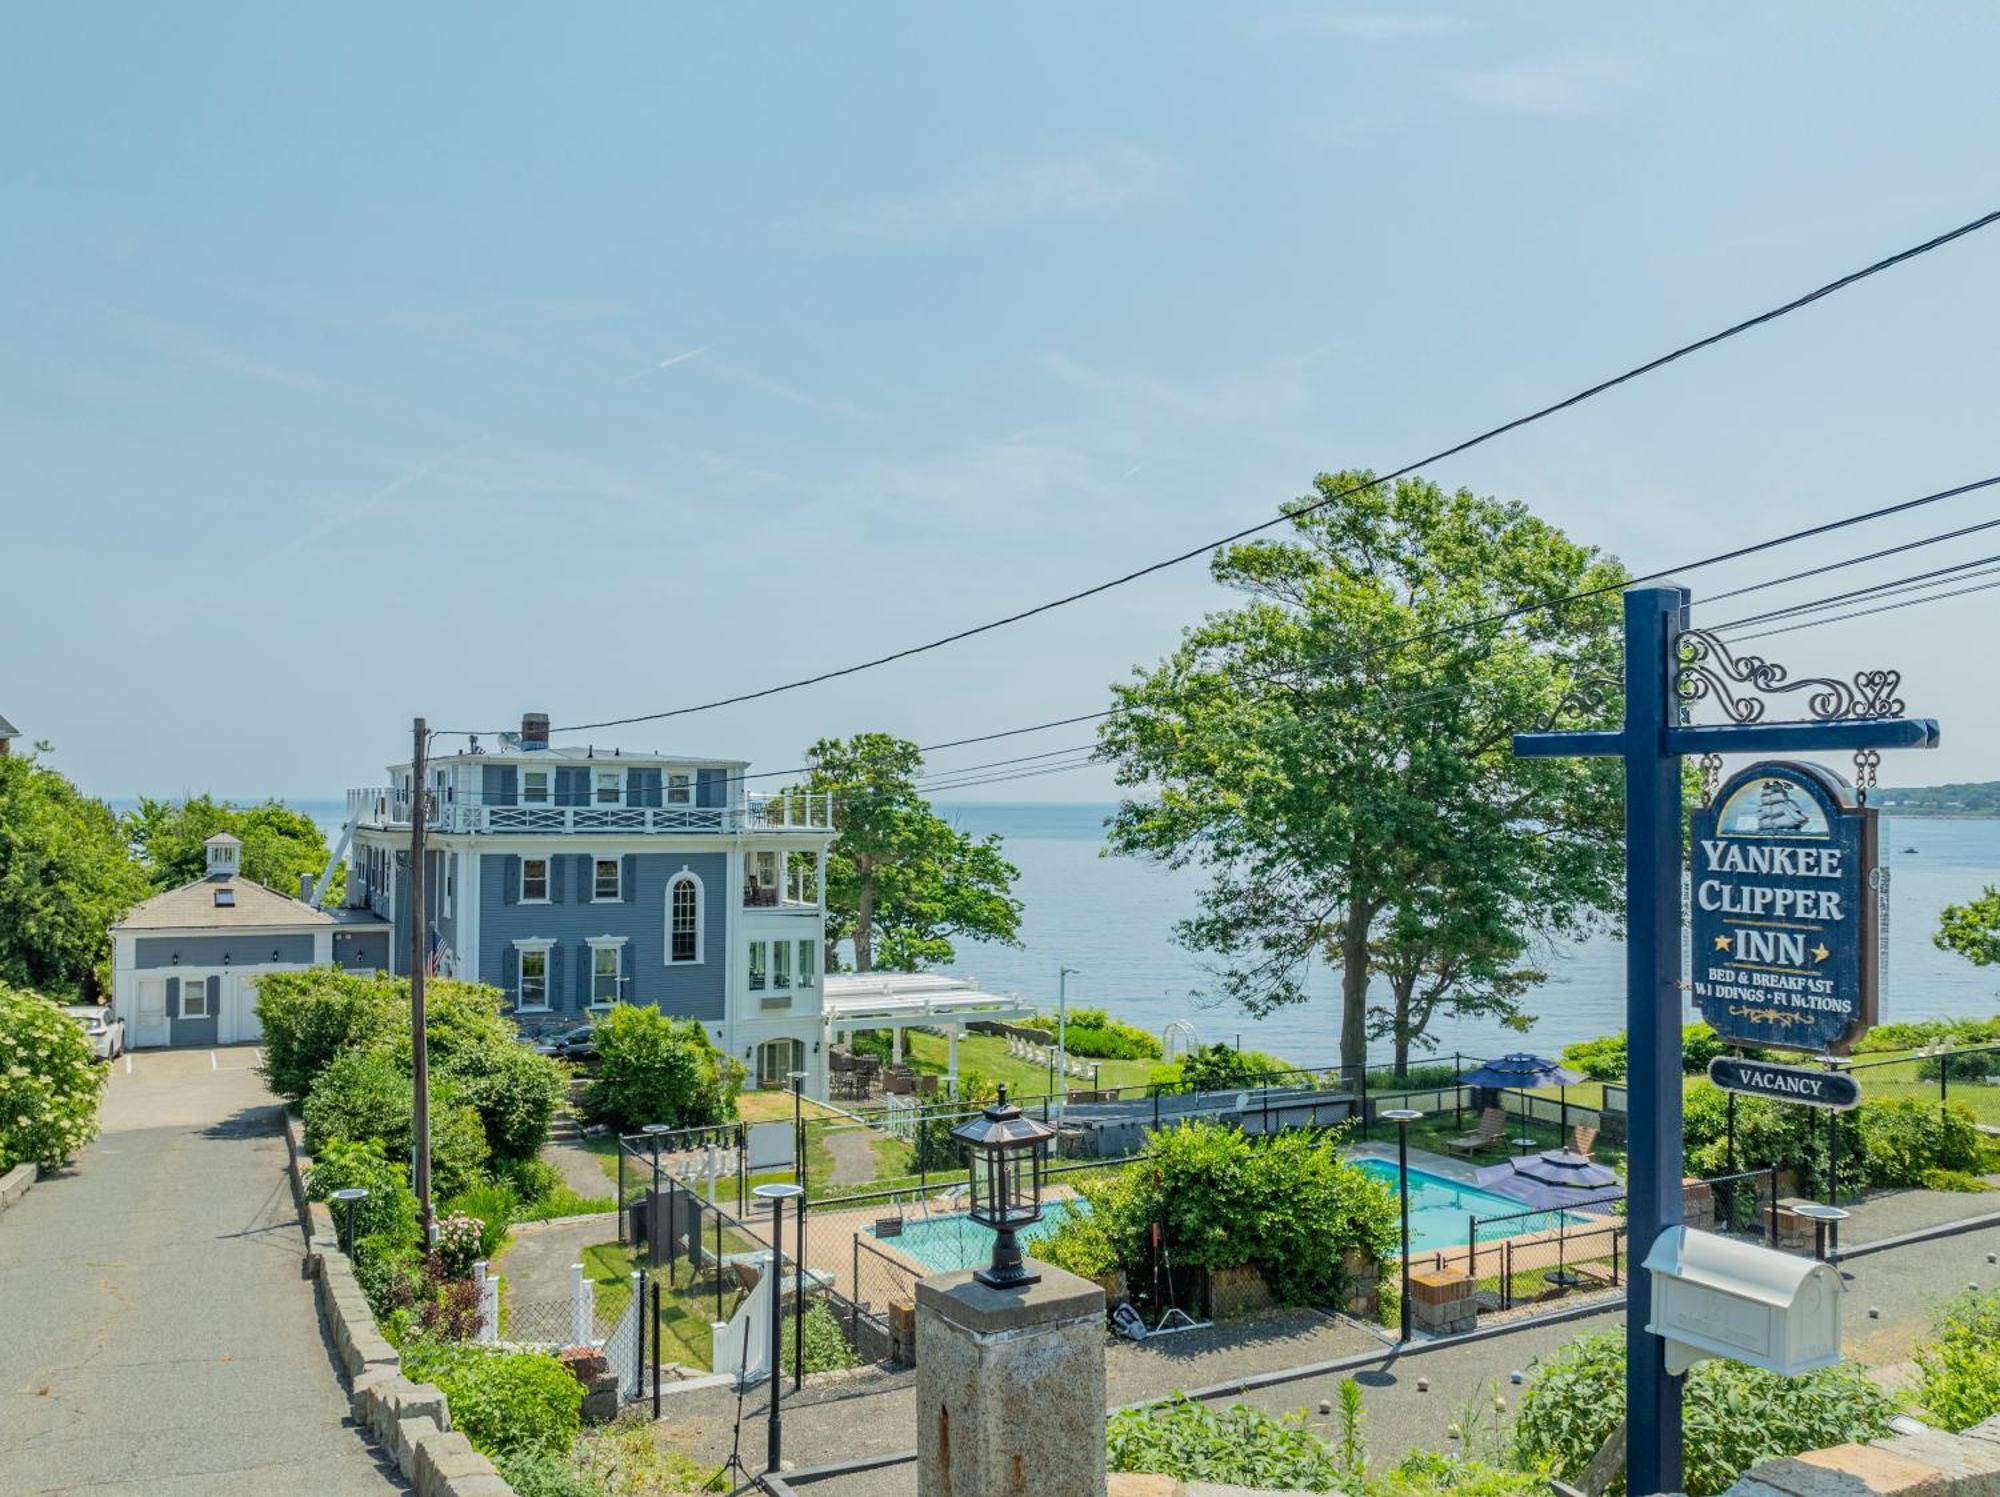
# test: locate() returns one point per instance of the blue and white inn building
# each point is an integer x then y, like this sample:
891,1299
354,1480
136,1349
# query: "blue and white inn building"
574,878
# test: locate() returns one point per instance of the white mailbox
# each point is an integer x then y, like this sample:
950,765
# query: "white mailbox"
1716,1298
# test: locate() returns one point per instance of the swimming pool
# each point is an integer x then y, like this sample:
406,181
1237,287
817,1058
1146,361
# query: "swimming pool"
1440,1209
1439,1214
946,1244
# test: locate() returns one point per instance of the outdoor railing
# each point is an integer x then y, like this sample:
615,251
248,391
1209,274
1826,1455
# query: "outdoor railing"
383,807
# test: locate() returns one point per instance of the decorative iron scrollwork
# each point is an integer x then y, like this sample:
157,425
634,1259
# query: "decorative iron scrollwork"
1706,669
1589,699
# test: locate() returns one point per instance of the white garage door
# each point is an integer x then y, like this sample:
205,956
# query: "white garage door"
149,1021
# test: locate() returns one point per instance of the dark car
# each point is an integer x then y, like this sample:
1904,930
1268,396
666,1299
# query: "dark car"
578,1043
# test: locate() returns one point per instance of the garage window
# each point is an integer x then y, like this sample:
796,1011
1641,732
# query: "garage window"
194,998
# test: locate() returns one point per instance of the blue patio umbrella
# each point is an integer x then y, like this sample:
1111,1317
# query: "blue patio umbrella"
1521,1071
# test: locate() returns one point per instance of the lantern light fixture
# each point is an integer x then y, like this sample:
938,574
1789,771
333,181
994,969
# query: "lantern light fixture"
1008,1154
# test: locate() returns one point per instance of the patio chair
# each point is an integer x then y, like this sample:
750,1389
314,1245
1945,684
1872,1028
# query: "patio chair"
1492,1129
1582,1139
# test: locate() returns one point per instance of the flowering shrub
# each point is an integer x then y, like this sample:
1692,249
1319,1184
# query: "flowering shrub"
510,1405
459,1240
50,1082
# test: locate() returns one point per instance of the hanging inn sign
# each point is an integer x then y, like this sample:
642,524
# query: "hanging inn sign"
1783,910
1784,926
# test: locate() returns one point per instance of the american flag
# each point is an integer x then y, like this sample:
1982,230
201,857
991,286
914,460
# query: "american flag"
440,962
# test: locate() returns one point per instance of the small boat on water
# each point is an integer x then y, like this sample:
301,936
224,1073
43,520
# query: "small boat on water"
1909,850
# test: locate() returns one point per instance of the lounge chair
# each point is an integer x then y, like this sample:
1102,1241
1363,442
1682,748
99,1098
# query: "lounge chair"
1582,1139
1492,1129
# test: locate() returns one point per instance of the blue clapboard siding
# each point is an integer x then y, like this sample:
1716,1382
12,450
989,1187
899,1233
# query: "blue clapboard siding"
361,950
201,1031
244,949
640,916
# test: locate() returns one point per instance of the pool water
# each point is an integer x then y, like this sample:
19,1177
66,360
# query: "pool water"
1439,1213
1440,1208
946,1244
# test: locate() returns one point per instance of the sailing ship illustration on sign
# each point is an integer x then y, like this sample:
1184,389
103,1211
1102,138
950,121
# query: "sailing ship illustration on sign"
1775,811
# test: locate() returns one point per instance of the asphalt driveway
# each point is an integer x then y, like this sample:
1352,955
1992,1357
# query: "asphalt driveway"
156,1335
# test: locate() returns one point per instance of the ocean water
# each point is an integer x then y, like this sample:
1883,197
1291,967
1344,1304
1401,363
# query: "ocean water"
1112,919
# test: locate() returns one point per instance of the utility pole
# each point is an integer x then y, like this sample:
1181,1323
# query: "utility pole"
420,1065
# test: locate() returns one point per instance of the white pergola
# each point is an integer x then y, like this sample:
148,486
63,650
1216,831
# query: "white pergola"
897,1001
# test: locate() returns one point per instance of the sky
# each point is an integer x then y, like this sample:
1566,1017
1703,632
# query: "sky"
367,362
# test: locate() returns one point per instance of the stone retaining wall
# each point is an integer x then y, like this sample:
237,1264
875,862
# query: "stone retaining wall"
16,1183
410,1420
1929,1464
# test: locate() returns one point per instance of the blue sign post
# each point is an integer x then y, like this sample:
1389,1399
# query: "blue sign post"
1667,669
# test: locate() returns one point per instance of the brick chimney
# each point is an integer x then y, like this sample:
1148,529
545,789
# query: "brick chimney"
534,730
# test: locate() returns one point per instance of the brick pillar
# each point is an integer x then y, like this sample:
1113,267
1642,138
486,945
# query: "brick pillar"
1442,1302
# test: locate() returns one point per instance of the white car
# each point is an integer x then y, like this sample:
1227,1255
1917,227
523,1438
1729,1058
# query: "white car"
102,1024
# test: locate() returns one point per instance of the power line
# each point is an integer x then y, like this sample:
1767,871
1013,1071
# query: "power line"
1854,561
1957,571
1542,413
1864,612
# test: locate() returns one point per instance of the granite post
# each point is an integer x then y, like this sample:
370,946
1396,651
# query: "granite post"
1010,1387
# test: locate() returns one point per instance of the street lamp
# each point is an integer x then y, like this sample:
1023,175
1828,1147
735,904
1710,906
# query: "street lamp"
1063,975
1009,1159
349,1198
798,1080
654,1133
777,1195
1402,1117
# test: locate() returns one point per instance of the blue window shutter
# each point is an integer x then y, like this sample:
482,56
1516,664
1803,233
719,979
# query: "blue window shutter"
584,973
628,878
510,973
556,869
556,976
173,997
214,997
586,879
510,879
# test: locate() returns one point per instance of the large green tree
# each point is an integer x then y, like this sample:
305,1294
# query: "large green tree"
279,844
901,880
1972,929
66,874
1335,755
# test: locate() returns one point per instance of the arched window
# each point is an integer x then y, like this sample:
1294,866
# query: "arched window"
683,918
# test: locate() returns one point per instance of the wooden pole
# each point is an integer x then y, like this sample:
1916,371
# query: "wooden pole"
420,1068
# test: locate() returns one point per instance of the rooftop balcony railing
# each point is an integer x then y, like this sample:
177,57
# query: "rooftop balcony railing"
784,811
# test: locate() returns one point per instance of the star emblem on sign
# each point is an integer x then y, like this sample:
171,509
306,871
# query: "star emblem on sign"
1722,943
1820,953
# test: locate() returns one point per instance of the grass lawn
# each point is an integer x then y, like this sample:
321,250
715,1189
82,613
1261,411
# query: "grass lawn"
776,1107
987,1054
687,1303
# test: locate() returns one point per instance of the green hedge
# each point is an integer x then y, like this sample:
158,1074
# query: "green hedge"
508,1404
1958,1366
1735,1416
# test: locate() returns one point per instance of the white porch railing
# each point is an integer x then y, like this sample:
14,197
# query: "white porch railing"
381,806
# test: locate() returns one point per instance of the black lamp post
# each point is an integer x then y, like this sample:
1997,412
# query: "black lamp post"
1402,1117
798,1080
654,1252
777,1195
1009,1158
350,1197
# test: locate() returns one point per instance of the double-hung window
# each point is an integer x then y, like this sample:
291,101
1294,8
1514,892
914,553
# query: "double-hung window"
781,966
607,973
194,998
757,970
604,880
534,787
534,880
534,990
608,787
808,963
680,789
